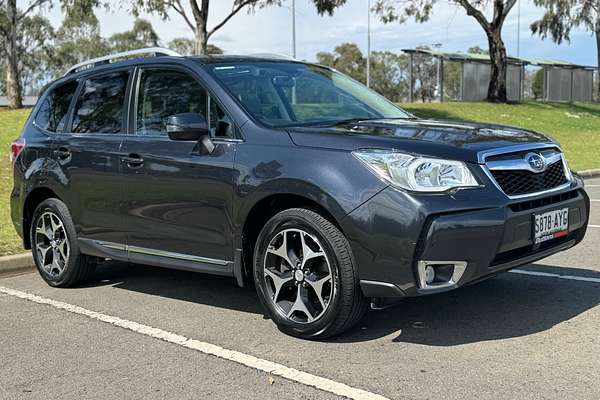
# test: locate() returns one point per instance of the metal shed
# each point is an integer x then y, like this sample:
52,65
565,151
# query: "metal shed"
564,81
474,74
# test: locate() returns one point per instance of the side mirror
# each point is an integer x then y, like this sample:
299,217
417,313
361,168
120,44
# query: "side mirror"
187,127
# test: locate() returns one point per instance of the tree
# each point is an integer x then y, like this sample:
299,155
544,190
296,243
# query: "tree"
563,15
77,39
421,10
141,35
425,74
388,75
12,21
197,21
185,46
346,58
537,85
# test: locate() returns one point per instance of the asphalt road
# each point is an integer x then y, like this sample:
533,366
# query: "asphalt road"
516,336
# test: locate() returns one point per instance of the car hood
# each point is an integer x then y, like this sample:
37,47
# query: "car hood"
445,139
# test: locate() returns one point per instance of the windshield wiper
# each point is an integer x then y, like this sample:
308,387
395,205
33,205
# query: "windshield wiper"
345,121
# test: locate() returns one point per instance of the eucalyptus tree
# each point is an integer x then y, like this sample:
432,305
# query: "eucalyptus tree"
421,11
13,23
562,16
196,14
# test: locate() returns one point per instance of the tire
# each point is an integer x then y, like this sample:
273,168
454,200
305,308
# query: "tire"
315,247
55,248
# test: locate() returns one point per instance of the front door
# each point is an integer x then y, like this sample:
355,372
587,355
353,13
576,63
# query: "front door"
177,196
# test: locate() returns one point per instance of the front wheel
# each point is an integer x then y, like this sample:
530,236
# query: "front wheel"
305,275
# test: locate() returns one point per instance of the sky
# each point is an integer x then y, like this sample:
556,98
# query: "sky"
269,31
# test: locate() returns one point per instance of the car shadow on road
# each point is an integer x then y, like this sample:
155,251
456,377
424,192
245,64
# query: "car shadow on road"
192,287
510,305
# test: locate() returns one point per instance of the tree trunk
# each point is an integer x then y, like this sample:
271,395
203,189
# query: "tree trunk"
497,88
13,84
200,44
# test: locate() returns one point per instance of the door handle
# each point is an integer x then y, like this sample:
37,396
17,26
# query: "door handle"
62,153
133,161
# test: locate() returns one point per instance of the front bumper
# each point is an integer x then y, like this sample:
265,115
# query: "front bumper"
394,230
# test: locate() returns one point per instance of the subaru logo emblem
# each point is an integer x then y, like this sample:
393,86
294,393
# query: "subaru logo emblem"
536,162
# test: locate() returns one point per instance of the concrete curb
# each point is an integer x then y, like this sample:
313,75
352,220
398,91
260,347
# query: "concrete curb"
16,263
590,173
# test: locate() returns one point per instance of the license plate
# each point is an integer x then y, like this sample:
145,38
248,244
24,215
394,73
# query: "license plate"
550,225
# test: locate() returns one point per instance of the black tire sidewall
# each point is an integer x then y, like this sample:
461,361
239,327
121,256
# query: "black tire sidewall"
60,209
280,222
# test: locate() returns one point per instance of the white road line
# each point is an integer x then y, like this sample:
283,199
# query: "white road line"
594,200
592,185
549,275
593,226
269,367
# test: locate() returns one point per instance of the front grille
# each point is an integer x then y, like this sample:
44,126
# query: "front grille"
519,182
544,201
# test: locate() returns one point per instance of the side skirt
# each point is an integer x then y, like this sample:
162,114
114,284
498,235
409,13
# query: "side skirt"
158,258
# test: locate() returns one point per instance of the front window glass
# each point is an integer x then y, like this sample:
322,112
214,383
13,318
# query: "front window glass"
294,94
165,92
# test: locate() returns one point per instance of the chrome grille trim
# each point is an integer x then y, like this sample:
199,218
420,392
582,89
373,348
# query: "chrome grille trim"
516,165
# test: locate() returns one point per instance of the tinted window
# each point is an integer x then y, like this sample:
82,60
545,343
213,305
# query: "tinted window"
52,115
99,108
164,92
293,94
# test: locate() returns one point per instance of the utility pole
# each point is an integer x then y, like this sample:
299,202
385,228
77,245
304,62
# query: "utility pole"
294,28
519,28
369,44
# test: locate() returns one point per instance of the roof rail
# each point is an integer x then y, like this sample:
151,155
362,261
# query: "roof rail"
273,56
157,51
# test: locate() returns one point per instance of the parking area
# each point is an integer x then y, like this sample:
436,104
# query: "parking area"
144,332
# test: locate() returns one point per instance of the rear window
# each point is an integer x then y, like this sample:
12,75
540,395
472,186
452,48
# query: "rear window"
99,108
52,115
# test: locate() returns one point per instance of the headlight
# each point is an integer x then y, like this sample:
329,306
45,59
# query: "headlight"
421,174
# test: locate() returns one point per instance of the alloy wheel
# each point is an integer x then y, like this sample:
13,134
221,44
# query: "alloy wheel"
298,276
51,244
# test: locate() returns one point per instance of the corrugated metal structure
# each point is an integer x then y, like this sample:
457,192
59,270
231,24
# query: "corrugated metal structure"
563,81
474,74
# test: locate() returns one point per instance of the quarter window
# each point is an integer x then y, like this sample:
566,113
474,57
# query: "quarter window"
99,108
164,92
52,115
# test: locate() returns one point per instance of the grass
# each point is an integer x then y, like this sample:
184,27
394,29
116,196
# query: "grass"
11,123
575,126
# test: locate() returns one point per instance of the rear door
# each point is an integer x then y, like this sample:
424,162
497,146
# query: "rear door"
90,163
177,196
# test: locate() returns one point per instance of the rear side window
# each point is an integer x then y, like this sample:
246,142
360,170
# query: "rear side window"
99,108
52,115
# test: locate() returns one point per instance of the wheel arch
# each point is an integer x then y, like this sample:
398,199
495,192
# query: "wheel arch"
265,209
33,199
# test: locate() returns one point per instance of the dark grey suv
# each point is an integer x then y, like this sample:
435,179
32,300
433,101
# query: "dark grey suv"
282,174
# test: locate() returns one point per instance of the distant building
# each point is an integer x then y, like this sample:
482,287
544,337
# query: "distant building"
28,101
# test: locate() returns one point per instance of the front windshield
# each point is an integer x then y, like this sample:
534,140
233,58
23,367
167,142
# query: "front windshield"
294,94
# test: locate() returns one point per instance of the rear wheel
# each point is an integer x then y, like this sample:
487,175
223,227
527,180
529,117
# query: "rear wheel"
305,276
55,248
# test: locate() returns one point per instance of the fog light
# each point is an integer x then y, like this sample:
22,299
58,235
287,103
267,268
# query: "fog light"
436,275
429,274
